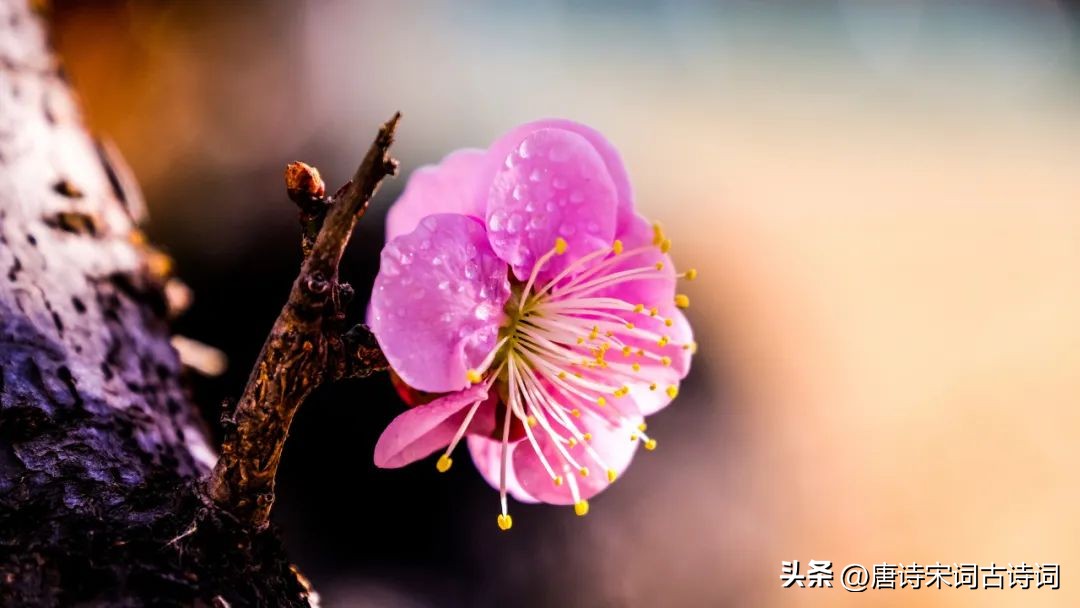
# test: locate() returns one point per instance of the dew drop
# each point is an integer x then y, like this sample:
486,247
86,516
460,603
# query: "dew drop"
514,225
559,183
523,149
471,270
567,229
535,176
483,311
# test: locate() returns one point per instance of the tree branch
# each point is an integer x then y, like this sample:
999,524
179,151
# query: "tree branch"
307,345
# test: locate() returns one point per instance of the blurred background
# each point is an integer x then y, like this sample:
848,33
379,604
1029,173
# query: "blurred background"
883,200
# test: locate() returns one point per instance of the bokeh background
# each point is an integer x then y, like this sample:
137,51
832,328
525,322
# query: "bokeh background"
883,199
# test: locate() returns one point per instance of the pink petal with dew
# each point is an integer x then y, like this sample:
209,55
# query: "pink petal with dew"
487,456
610,440
448,187
438,301
553,185
423,429
509,142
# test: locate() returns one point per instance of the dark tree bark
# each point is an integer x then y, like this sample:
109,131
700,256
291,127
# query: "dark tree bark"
105,496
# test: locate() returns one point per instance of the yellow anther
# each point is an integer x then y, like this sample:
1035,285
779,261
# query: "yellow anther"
617,247
595,332
665,246
473,376
557,480
578,375
653,311
562,376
691,274
682,300
571,442
658,234
633,437
531,420
600,401
587,437
636,366
609,334
692,347
626,350
584,471
576,413
639,308
652,387
672,391
668,322
443,464
581,507
581,340
659,265
665,361
611,475
650,445
629,326
505,521
560,245
662,341
643,427
641,352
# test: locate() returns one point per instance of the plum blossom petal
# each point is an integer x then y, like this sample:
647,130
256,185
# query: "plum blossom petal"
438,302
553,185
451,186
487,456
608,450
422,430
504,145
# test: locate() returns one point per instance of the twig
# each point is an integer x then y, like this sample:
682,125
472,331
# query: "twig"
307,345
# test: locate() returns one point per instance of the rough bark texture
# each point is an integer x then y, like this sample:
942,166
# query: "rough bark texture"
101,451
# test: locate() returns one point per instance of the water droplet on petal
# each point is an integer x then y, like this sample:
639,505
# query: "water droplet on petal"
523,149
514,225
559,183
519,191
567,229
535,176
483,311
471,270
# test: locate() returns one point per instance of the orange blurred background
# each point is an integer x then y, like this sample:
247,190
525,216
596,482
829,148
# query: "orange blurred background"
883,200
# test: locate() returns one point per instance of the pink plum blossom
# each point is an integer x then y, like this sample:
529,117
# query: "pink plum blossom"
519,286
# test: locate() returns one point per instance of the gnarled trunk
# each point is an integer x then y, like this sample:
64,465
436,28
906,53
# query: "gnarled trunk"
100,447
